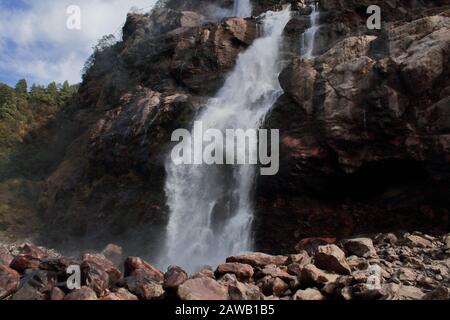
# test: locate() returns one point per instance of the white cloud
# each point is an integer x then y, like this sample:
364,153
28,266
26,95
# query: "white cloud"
36,44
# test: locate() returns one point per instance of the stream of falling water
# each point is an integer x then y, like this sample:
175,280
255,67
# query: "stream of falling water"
309,37
242,8
211,210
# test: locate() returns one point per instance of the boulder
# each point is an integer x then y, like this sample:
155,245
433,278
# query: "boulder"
258,259
202,289
174,277
27,292
417,241
94,277
361,247
441,293
5,257
113,253
9,281
308,295
144,288
278,272
331,258
120,294
82,294
243,272
57,294
106,265
362,291
137,267
302,258
244,292
447,241
312,276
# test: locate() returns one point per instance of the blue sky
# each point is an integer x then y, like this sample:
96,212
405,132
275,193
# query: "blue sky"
35,43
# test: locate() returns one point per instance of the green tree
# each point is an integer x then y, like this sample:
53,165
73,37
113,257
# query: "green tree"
22,87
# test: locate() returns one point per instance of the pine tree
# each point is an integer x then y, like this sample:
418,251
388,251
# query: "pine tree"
22,87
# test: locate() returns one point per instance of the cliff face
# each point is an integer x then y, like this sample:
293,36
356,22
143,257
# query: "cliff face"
365,142
364,128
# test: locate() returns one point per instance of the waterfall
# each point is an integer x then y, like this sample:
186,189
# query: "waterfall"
210,206
242,8
309,37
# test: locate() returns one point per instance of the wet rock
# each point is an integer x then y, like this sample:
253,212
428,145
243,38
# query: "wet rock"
331,258
361,247
82,294
202,289
243,272
137,267
308,294
9,281
259,259
174,277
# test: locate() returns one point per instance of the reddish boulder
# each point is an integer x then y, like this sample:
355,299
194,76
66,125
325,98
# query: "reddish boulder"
82,294
331,258
202,289
9,281
108,266
113,253
258,259
174,277
311,245
137,267
120,295
243,272
57,294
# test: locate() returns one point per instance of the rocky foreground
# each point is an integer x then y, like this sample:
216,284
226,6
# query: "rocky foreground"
407,267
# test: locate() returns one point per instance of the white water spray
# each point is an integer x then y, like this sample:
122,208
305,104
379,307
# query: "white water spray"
309,37
242,8
211,209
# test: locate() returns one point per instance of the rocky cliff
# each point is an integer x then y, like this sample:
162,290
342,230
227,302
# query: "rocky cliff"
365,141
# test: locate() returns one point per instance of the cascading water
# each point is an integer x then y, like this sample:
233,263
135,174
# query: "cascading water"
211,210
309,37
242,8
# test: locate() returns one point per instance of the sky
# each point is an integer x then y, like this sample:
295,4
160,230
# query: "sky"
37,45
